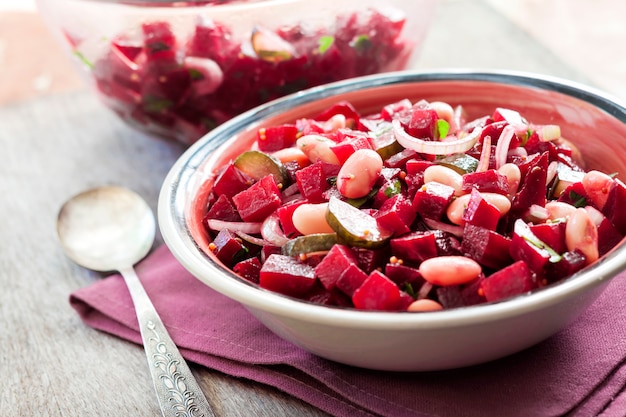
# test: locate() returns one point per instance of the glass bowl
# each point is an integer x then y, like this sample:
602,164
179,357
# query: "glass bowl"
179,68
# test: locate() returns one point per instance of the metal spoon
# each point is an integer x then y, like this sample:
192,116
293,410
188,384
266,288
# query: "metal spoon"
112,228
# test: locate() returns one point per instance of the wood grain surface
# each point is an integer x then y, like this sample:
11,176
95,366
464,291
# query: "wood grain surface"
51,148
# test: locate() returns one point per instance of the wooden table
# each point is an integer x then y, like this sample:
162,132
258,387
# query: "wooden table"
59,144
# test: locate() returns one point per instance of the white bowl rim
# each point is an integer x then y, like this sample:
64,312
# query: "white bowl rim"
183,247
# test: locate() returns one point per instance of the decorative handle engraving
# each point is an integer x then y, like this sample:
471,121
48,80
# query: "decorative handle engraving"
177,390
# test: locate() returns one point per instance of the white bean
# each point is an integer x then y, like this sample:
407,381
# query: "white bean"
317,148
338,121
557,210
597,186
309,219
581,234
459,205
513,176
444,110
450,270
446,176
359,173
425,304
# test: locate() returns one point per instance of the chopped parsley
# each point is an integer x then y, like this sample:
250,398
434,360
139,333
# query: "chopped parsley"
554,256
362,43
325,42
394,189
442,128
83,58
577,199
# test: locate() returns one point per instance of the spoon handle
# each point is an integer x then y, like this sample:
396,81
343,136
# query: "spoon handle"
177,390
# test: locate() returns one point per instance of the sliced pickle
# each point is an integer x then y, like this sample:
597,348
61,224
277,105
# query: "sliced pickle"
565,176
355,227
459,162
309,243
257,165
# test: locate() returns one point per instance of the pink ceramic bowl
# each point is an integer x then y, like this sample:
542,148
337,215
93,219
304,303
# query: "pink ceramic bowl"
591,120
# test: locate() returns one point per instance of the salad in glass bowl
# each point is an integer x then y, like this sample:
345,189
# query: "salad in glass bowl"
178,69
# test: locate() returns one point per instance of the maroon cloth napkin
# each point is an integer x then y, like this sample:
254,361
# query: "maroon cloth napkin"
581,371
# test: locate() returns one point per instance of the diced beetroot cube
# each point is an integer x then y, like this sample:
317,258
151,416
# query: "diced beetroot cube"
525,246
268,250
533,187
432,200
415,247
575,195
481,213
552,234
371,259
390,110
312,182
396,214
447,243
486,247
231,181
399,159
165,90
534,144
227,247
528,162
454,296
423,123
515,279
159,41
320,295
348,146
285,217
212,41
249,269
344,108
405,301
570,262
222,209
378,293
608,236
350,279
490,181
258,201
417,166
450,296
309,126
389,187
512,117
614,207
273,138
471,292
285,275
403,274
337,260
126,53
493,130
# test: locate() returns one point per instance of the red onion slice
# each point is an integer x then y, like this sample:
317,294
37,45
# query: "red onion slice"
502,148
272,232
485,155
245,227
434,147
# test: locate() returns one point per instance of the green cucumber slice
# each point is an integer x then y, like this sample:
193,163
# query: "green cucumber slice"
309,243
355,227
460,162
257,164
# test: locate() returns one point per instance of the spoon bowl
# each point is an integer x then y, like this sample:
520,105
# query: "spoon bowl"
106,228
112,228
